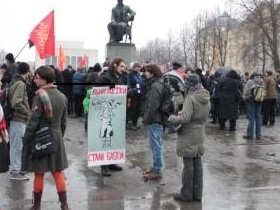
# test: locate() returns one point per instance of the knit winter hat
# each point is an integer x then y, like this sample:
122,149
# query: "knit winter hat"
10,57
255,73
191,80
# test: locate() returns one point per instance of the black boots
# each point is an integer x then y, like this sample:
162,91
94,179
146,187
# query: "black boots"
36,201
63,200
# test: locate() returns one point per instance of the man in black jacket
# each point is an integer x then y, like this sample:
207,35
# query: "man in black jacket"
153,119
113,75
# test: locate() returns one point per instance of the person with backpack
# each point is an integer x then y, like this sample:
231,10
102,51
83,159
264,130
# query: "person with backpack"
254,104
153,119
190,145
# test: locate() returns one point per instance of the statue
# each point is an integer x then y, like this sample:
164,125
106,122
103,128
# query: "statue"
119,25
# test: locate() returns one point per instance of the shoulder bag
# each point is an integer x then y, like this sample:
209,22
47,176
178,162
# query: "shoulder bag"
42,143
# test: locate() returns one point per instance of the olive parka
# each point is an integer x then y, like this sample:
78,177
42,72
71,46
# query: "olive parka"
193,116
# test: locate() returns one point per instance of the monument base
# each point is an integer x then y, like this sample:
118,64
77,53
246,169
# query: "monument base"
126,51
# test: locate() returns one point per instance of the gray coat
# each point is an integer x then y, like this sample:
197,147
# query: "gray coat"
194,113
58,160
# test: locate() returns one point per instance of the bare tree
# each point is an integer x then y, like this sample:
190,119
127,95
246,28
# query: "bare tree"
188,47
265,15
201,38
222,28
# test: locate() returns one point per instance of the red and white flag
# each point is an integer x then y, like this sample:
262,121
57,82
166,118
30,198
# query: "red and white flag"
83,62
42,36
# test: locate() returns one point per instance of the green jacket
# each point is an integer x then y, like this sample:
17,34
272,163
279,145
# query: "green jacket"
19,99
86,101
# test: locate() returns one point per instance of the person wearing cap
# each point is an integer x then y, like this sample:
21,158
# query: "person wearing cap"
11,69
178,67
253,109
190,145
21,111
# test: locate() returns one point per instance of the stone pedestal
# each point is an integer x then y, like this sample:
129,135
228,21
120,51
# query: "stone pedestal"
127,51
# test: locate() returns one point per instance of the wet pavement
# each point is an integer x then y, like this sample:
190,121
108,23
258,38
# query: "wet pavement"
238,174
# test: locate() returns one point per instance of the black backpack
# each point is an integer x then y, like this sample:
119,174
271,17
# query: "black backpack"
167,104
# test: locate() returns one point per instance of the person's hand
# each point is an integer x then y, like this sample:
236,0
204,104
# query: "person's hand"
170,118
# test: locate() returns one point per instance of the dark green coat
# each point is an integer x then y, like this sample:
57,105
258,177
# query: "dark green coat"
58,160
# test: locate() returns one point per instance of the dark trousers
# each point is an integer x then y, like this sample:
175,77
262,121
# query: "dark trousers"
79,105
216,109
232,124
70,104
192,179
269,108
135,111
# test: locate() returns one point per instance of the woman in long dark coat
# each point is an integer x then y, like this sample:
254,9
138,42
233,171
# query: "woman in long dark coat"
230,95
51,104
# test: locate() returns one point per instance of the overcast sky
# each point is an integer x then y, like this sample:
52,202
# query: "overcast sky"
86,20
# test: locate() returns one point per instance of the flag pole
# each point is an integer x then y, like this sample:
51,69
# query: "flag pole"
21,50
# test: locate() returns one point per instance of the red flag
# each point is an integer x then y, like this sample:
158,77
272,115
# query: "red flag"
61,59
83,62
42,36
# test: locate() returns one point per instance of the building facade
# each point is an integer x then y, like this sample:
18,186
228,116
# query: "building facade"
73,52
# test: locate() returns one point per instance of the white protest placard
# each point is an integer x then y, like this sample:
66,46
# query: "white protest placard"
106,125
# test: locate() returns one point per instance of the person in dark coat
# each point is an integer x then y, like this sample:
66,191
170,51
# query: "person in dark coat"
79,90
11,69
198,71
67,89
135,82
51,104
230,96
113,75
154,120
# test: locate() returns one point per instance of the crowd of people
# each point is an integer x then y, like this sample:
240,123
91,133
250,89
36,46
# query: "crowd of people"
222,95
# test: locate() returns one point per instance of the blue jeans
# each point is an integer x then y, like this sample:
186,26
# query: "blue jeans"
155,131
16,133
254,117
